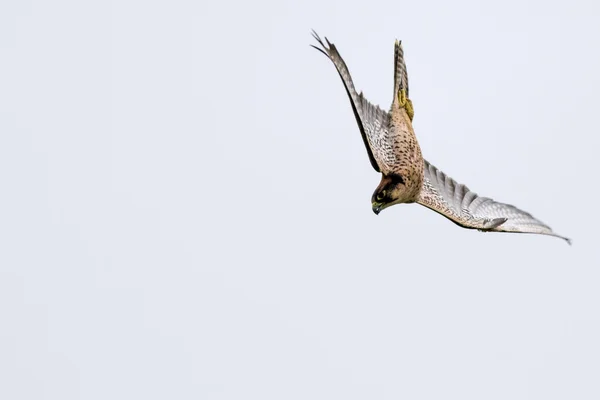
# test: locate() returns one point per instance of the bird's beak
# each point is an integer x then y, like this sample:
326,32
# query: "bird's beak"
376,208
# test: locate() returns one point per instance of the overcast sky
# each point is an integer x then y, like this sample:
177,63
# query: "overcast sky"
185,202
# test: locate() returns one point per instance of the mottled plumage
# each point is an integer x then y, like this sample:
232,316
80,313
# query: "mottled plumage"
407,177
458,203
389,137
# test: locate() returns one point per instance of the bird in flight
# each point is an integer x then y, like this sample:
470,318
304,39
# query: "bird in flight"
406,177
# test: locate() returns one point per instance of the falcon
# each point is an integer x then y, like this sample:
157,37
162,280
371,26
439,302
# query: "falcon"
406,177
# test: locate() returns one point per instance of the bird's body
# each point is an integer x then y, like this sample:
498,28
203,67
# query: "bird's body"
400,155
408,158
407,177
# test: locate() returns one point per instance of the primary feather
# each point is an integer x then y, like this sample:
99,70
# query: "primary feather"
464,207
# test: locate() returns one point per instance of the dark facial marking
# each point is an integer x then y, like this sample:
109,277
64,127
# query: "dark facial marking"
396,179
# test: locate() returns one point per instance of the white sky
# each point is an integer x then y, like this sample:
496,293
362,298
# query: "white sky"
185,207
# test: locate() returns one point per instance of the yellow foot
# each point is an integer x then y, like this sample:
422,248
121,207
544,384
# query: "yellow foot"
406,103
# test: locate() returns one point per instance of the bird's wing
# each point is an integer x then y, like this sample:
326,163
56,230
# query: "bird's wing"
372,120
462,206
401,80
400,71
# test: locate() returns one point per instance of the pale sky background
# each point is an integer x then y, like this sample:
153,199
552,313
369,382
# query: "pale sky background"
185,202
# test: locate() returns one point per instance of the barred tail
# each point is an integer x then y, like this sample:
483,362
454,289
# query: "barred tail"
400,74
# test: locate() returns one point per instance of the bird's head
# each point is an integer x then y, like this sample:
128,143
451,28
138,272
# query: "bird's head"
391,190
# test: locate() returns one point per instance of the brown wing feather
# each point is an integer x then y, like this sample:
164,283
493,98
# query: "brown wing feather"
372,120
462,206
400,71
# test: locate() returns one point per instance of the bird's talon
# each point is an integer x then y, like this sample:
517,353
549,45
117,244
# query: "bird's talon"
406,103
410,110
402,97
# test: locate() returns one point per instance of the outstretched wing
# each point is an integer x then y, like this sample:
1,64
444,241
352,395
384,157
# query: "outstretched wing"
456,202
400,71
372,120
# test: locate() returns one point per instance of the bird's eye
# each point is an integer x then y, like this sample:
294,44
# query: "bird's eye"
380,195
